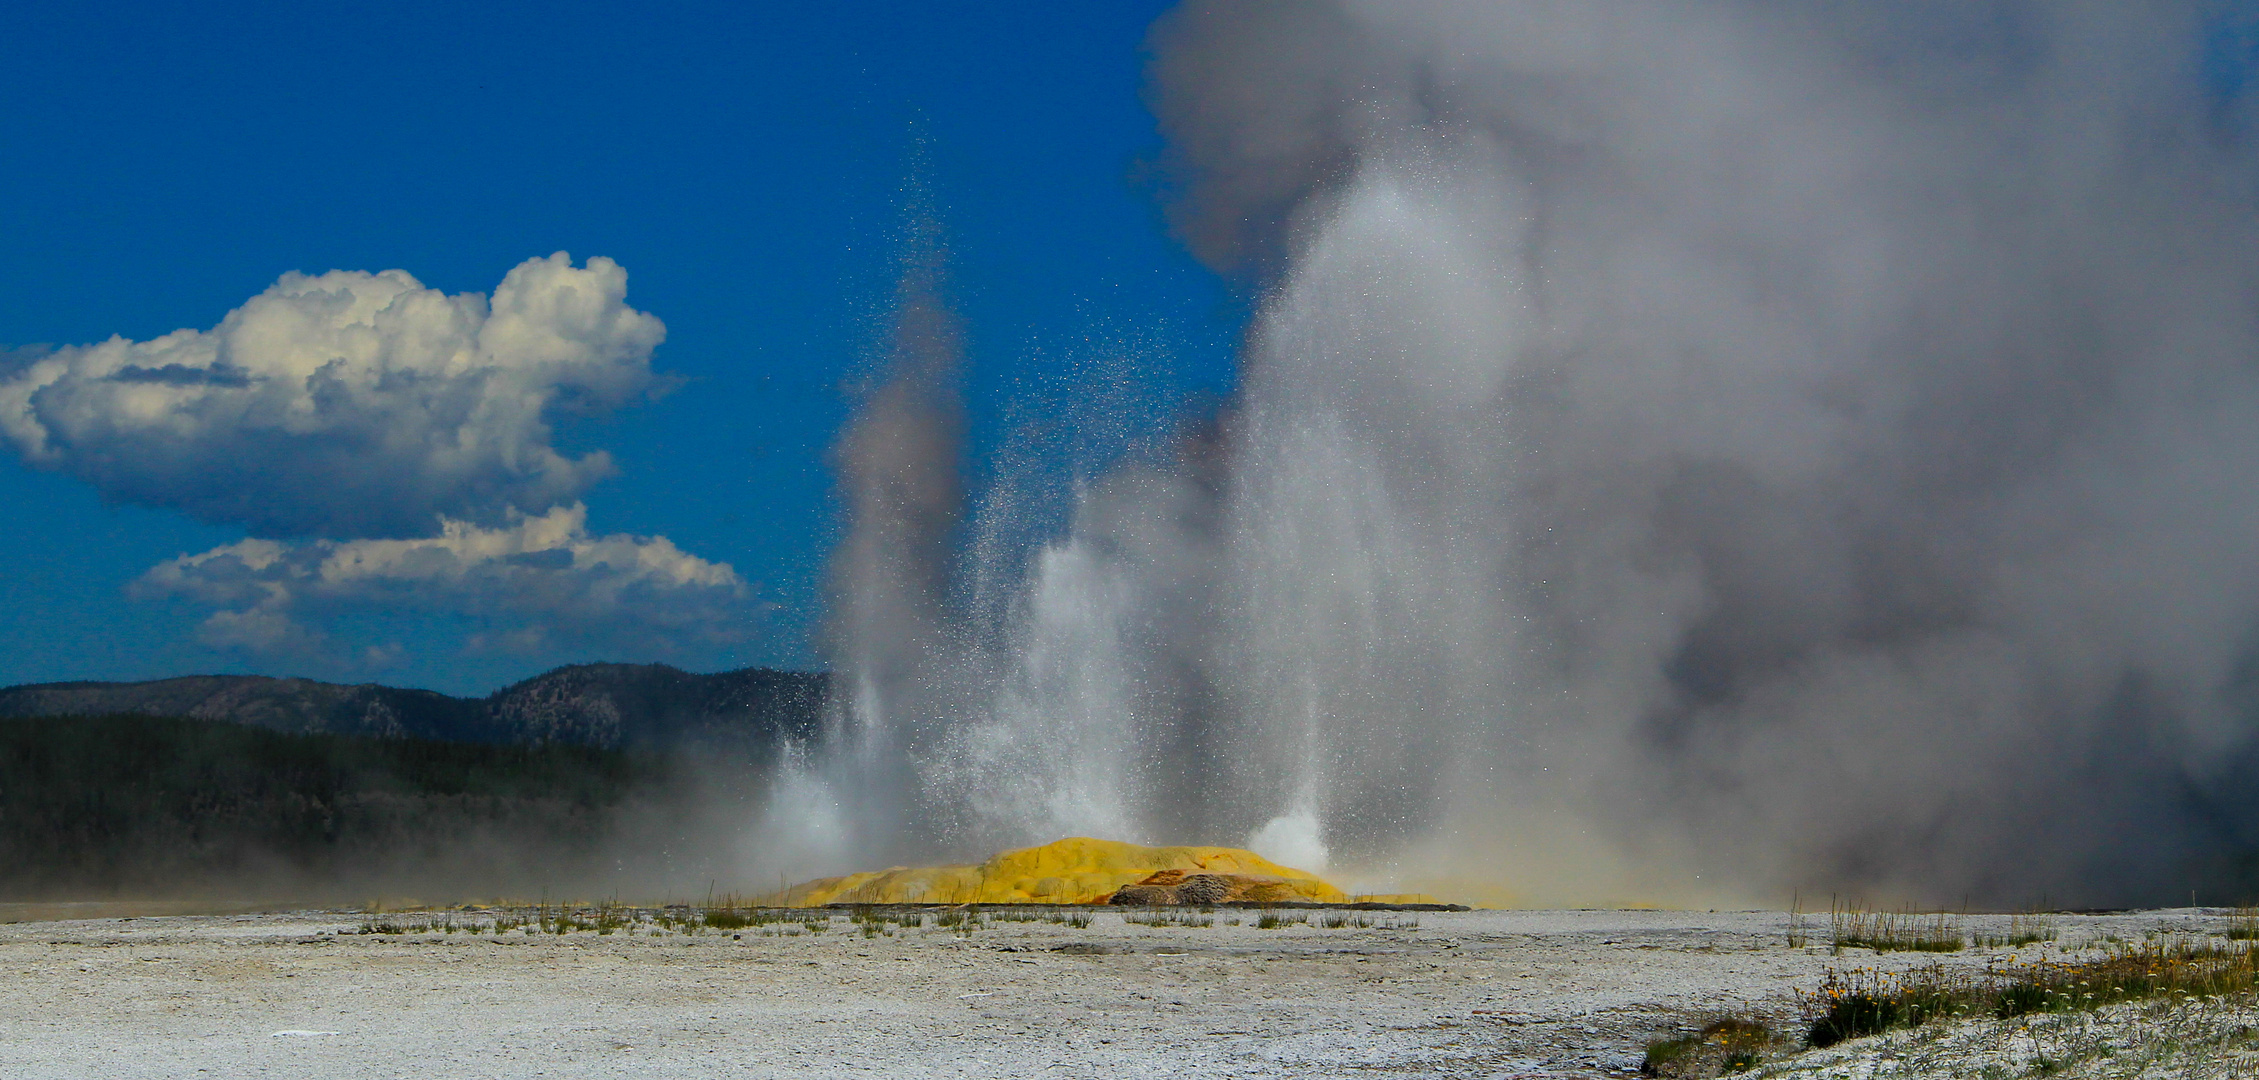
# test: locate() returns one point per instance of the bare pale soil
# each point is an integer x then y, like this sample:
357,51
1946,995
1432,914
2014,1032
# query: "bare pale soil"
1473,994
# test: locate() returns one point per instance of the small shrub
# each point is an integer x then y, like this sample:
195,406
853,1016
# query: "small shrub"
1855,1016
1855,1004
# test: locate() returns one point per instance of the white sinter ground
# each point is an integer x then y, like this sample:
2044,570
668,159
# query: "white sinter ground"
1473,994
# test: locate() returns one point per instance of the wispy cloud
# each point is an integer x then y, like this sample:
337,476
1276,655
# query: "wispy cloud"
538,580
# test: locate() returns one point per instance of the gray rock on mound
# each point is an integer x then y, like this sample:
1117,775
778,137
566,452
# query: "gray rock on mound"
1204,889
1145,896
1171,887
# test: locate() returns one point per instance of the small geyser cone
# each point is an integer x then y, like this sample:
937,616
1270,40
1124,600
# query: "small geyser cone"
1076,870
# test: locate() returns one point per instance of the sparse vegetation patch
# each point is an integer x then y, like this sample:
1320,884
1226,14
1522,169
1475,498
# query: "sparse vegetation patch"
1171,917
1860,1002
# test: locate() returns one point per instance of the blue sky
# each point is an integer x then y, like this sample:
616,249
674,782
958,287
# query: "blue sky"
743,163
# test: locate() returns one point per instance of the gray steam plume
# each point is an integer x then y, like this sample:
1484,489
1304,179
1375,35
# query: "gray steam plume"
898,468
1790,444
1685,452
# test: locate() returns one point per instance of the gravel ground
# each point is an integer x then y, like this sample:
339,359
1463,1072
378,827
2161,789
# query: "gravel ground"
1472,994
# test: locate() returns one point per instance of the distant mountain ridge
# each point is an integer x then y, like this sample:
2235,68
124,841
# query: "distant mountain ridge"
614,706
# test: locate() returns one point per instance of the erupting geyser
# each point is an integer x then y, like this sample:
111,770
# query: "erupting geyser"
1684,452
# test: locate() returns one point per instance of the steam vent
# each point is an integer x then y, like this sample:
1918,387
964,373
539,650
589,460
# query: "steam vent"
1079,870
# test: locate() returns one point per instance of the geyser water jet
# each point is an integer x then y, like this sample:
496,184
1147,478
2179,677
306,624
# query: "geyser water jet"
1683,453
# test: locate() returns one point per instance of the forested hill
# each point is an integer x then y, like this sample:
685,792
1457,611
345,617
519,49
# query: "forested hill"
615,706
146,805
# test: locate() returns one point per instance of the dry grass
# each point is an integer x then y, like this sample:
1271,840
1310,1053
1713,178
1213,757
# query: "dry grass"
2023,929
1884,931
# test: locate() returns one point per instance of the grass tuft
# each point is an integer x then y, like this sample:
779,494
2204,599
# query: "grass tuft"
1883,931
1171,917
1727,1045
2022,930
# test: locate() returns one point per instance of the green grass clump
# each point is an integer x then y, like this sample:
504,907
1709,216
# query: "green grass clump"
1274,919
730,914
1727,1045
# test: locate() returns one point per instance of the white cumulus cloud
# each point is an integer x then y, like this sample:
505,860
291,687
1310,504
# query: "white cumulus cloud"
348,404
537,578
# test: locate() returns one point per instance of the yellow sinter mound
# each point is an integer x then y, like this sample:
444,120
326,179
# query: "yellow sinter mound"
1077,870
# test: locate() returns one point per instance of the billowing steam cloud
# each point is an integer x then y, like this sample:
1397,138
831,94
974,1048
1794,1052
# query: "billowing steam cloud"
1685,451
